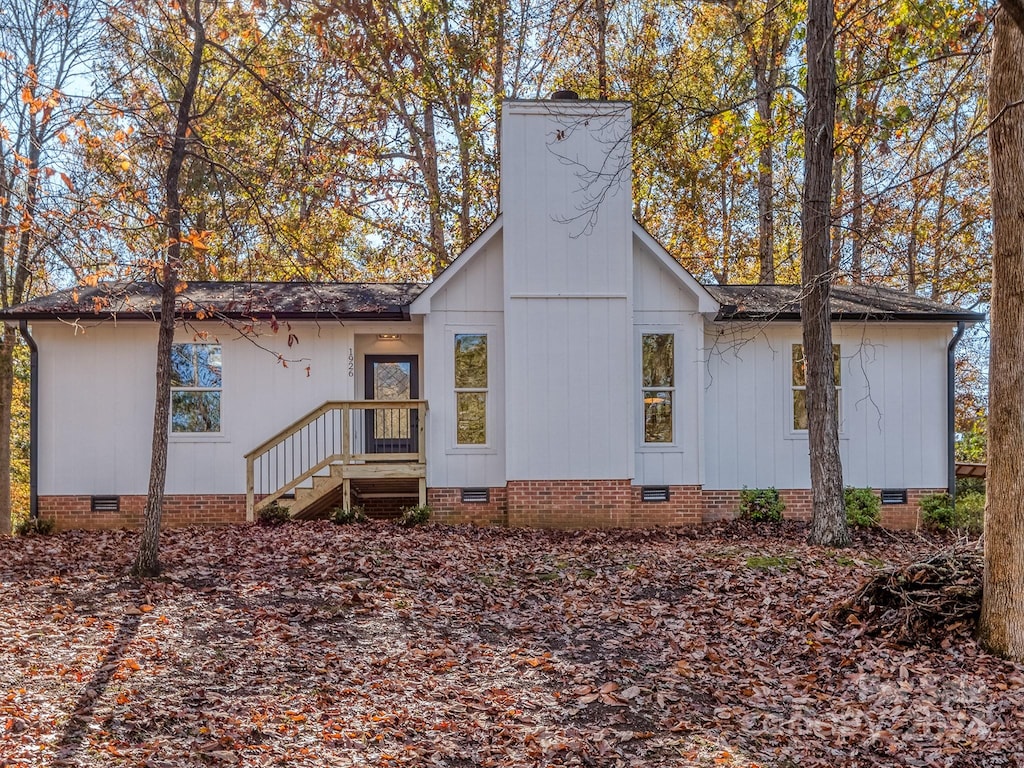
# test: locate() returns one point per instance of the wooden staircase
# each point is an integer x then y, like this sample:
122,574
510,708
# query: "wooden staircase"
317,459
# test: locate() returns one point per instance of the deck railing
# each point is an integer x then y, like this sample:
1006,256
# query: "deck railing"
339,432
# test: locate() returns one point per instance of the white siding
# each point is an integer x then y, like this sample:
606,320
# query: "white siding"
566,203
470,302
893,406
662,304
96,402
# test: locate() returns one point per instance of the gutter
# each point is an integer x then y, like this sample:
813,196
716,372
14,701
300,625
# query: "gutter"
33,424
951,409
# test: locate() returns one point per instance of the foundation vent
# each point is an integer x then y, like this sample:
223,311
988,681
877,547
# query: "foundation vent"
894,495
105,504
476,495
654,493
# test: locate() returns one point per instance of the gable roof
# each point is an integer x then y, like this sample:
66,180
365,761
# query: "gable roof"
421,303
706,301
394,301
236,300
849,302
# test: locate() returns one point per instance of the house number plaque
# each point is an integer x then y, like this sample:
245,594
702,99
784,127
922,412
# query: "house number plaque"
351,364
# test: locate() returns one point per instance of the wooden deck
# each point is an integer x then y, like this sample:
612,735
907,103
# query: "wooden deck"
318,458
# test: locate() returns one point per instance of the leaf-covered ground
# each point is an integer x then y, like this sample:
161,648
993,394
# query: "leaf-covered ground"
316,645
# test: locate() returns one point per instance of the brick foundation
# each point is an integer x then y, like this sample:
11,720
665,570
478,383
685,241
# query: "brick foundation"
447,507
522,503
75,511
618,504
569,503
724,505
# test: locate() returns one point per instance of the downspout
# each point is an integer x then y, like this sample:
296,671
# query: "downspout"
951,408
33,421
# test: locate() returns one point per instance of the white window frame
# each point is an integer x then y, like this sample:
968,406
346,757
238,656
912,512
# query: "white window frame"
198,436
676,333
793,387
456,446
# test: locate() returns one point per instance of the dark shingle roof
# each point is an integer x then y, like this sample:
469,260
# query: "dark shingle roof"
127,300
849,302
390,301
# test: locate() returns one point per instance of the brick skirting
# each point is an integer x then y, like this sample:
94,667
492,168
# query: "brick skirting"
522,503
76,511
618,504
723,505
447,507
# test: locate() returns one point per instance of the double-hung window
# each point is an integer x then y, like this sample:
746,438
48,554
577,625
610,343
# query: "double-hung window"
799,385
470,389
658,386
196,388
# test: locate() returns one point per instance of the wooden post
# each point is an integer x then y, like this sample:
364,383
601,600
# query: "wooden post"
421,409
346,494
423,491
346,433
250,490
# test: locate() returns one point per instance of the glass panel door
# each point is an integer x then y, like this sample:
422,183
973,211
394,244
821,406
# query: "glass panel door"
391,430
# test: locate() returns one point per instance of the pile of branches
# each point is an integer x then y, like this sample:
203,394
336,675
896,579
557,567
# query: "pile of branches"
923,601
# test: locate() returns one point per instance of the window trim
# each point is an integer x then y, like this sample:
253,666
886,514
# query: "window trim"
211,436
676,333
802,434
454,445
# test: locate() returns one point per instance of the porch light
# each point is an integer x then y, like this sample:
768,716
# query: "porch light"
389,337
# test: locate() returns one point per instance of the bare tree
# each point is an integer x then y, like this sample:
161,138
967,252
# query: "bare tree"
44,46
1001,627
828,521
147,562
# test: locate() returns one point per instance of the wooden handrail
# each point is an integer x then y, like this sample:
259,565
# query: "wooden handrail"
346,456
309,418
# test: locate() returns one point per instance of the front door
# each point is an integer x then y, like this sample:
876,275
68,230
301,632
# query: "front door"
392,377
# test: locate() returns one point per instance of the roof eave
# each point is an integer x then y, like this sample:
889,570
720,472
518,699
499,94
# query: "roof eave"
871,317
391,314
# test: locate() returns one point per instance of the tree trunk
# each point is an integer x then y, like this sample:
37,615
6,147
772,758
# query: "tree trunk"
602,53
7,346
838,200
912,247
147,562
765,185
1001,628
857,222
828,516
940,234
432,179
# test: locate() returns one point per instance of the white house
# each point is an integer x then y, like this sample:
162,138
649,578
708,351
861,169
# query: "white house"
563,371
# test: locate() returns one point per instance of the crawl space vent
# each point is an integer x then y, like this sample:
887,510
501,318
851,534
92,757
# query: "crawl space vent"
476,495
106,504
894,495
654,493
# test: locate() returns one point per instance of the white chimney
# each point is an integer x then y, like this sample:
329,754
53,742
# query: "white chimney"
566,201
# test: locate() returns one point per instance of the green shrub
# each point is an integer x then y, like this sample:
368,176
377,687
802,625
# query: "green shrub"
42,526
761,505
970,485
938,513
414,516
273,514
967,516
970,511
863,507
354,514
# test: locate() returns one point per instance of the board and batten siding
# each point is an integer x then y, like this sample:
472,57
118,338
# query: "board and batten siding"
96,402
566,202
893,406
470,302
662,304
